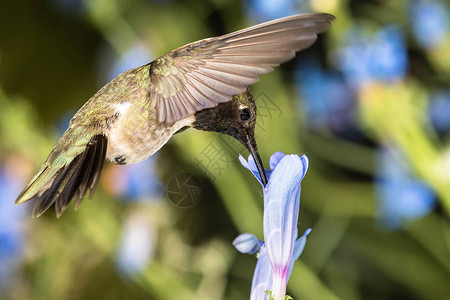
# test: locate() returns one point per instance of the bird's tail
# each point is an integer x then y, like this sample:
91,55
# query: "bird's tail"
67,173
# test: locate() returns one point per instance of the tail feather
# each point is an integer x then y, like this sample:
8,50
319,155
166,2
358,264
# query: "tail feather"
49,197
66,191
59,185
82,182
86,174
96,168
39,183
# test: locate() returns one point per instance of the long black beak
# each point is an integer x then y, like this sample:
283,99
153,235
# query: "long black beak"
252,148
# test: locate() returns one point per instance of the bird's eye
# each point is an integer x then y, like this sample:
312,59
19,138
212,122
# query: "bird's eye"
245,114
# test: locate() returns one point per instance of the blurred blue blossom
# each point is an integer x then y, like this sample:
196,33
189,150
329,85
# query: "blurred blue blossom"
265,10
281,209
430,21
137,245
381,56
327,101
402,197
136,56
439,111
71,8
12,237
139,181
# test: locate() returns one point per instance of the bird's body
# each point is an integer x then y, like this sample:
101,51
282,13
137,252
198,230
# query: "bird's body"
201,85
127,118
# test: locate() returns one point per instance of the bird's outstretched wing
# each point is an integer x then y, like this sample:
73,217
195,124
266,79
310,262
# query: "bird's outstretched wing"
208,72
63,177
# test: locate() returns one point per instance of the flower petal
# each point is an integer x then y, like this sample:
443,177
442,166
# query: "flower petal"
251,166
282,201
275,159
247,243
298,249
262,278
305,164
281,208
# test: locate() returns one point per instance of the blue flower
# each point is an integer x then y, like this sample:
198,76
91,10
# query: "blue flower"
262,278
248,243
12,237
265,10
328,102
438,111
281,209
141,180
378,57
402,197
137,245
137,56
137,182
429,21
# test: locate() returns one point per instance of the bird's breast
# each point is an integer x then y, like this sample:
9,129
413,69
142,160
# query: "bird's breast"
136,134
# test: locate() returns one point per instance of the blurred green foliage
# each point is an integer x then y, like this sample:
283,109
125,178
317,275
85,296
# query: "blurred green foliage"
55,54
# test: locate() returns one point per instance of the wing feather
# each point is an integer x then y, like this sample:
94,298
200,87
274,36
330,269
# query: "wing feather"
208,72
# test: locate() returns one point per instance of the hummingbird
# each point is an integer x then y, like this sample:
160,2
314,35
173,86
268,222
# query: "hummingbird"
203,85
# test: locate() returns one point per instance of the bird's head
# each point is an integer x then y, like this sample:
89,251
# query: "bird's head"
236,118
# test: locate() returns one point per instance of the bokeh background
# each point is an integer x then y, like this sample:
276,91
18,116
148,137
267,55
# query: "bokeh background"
369,104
